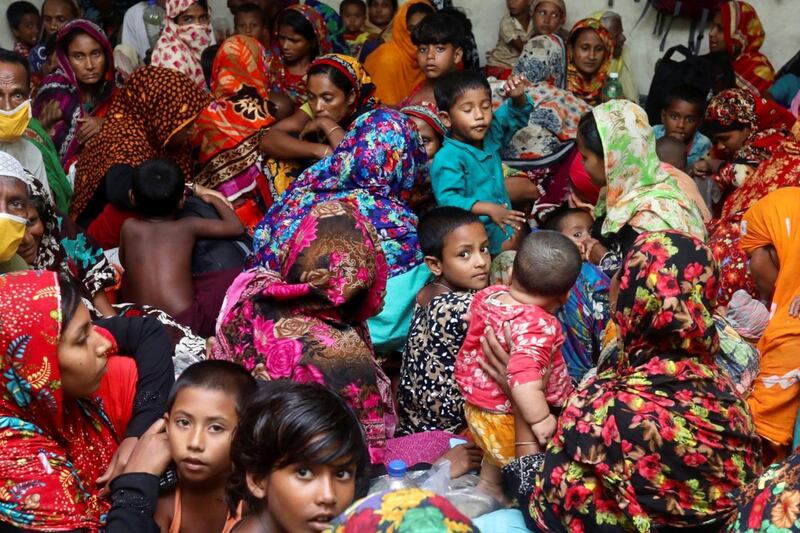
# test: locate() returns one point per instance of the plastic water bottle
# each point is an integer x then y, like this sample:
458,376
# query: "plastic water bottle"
613,88
397,476
153,21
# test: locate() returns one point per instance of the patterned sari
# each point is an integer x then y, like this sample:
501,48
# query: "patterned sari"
771,502
661,439
306,320
590,91
744,36
180,46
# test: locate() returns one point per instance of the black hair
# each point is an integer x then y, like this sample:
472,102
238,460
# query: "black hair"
224,376
289,423
435,225
72,5
157,187
295,20
440,28
50,44
450,87
394,4
70,299
553,220
250,7
574,37
547,264
668,148
687,93
207,61
12,58
17,10
587,128
359,3
417,9
342,82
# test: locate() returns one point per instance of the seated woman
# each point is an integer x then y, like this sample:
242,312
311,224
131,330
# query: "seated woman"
305,318
591,50
737,30
301,35
150,118
377,165
612,21
184,37
73,101
73,412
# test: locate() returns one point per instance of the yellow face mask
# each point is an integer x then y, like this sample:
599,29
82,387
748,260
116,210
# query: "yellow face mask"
13,123
12,230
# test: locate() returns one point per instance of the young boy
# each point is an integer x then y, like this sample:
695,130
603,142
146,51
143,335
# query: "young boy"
545,269
456,250
516,29
156,250
249,19
468,171
672,151
25,23
440,48
204,409
682,116
354,16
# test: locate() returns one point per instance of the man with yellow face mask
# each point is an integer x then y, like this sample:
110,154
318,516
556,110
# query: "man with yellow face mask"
14,181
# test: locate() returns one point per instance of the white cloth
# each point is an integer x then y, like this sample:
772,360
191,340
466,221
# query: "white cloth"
133,31
21,155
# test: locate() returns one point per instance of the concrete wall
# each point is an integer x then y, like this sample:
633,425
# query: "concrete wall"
778,16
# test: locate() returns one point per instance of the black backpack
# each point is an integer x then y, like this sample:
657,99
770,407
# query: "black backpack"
711,73
697,11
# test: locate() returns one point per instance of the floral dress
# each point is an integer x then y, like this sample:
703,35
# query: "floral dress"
771,503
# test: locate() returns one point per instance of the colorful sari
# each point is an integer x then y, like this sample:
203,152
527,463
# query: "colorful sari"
775,221
155,103
661,439
63,87
280,79
306,320
771,502
744,36
590,91
56,178
180,47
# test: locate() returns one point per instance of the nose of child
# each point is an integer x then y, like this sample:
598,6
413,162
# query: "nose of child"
326,496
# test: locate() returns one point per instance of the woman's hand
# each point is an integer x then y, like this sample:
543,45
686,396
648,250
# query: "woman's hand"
50,114
118,463
463,458
496,364
151,454
88,128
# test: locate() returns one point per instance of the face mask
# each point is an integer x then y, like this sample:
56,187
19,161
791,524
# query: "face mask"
13,123
12,230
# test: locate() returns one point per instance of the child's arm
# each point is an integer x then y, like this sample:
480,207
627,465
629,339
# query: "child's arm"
513,115
500,214
530,402
227,228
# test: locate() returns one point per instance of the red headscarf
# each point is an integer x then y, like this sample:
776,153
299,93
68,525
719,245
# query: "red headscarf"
744,36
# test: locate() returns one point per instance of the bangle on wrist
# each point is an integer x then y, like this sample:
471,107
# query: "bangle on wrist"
337,127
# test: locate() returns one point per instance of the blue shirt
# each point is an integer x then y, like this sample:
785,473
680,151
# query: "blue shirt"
462,174
697,149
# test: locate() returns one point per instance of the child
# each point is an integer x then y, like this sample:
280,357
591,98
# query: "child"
25,23
205,405
549,17
297,455
682,117
354,15
456,250
249,19
381,13
672,151
545,269
156,250
468,171
516,29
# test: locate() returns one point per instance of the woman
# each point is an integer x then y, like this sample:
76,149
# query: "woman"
306,319
591,49
393,65
184,37
70,409
620,63
641,194
229,131
770,237
737,30
150,118
73,101
377,165
301,35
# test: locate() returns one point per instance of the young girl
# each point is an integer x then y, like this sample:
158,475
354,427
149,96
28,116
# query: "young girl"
297,453
186,34
301,35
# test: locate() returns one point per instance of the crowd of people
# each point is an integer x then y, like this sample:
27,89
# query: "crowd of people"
245,265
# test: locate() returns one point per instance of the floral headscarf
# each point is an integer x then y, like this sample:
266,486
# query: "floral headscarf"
590,91
544,60
640,191
180,46
359,78
661,440
744,34
307,320
427,112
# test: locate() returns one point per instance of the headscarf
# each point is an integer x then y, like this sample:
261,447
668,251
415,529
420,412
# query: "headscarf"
63,87
127,60
544,60
393,65
180,47
359,78
590,91
54,447
403,511
428,113
377,165
279,76
229,130
621,64
11,168
155,103
662,439
640,191
333,25
307,319
56,178
744,36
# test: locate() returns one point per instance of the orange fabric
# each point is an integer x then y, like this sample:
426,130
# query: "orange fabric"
393,65
493,433
775,220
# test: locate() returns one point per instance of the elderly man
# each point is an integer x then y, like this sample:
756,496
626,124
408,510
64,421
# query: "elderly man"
13,212
612,21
